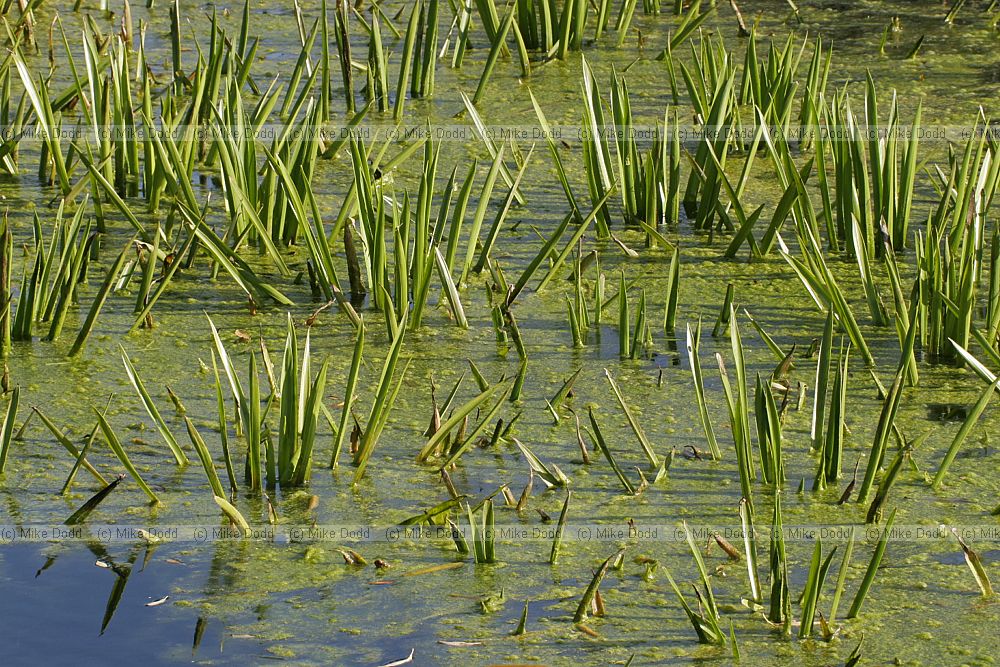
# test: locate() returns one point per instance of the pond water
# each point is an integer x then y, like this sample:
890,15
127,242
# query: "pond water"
286,596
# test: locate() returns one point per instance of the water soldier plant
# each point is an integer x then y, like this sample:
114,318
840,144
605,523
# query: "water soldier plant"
307,193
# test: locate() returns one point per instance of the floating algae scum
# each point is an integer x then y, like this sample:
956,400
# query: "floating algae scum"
418,388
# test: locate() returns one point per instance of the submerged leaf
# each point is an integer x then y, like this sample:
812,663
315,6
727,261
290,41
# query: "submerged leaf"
88,507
